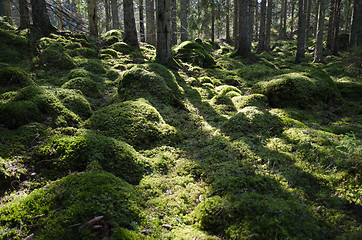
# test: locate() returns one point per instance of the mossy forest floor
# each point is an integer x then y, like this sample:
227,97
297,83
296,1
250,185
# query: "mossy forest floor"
99,142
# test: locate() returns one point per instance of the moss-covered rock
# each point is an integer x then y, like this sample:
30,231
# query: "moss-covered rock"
135,122
121,47
112,74
54,56
18,113
75,102
140,83
113,33
252,120
13,48
302,90
83,52
257,100
110,51
194,53
62,209
350,88
79,72
88,87
93,65
13,76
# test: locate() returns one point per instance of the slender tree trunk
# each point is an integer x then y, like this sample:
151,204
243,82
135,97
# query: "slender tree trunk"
337,15
301,32
292,20
183,18
60,14
251,14
228,38
268,24
142,24
285,19
3,11
356,26
307,29
330,25
256,19
348,16
212,21
8,9
108,14
236,23
243,46
115,15
130,32
24,14
318,52
283,14
40,17
174,22
261,45
150,22
92,17
163,49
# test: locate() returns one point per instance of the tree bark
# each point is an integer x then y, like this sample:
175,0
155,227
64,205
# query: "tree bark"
228,38
163,49
150,22
261,45
60,14
318,52
268,24
115,15
184,26
9,15
292,20
337,15
24,14
2,9
142,25
130,32
301,32
356,25
108,14
330,25
174,23
348,16
307,29
212,21
251,8
41,22
236,23
244,49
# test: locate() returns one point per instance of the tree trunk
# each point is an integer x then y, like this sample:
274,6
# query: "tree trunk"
9,15
348,16
337,15
142,24
108,14
163,49
174,23
292,20
228,38
212,21
330,25
318,52
115,15
150,22
244,49
356,26
236,23
283,16
301,32
251,14
60,14
2,9
268,24
261,45
41,22
184,33
256,18
24,14
307,29
130,32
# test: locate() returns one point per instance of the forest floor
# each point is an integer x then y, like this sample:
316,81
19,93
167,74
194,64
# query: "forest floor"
97,141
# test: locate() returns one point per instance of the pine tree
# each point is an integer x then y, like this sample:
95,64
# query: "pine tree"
163,49
130,32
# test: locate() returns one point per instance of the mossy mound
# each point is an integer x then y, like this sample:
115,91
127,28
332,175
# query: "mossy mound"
140,83
83,52
112,36
351,89
109,51
79,72
302,90
252,120
74,101
13,47
18,113
93,65
78,149
87,86
63,209
135,122
194,53
257,100
49,105
122,47
256,71
54,56
13,76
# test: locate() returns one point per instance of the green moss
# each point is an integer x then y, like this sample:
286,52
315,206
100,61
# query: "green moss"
72,45
54,56
75,102
256,71
139,83
194,53
135,122
93,65
18,113
73,200
88,87
252,120
112,74
13,76
113,32
13,48
122,47
79,72
351,89
257,100
109,51
111,40
85,52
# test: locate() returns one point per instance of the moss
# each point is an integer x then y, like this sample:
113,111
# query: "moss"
79,72
13,48
86,52
194,53
72,45
76,152
13,76
88,87
113,32
68,202
75,102
351,89
54,56
256,71
18,113
111,40
93,65
257,100
112,74
139,83
122,47
135,122
109,51
252,120
298,90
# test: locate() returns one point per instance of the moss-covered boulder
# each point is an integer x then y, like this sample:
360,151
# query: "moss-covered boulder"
110,51
54,56
257,100
111,37
14,77
87,86
13,48
75,102
350,88
194,53
140,83
63,209
18,113
93,65
121,47
252,120
79,72
135,122
73,150
302,90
